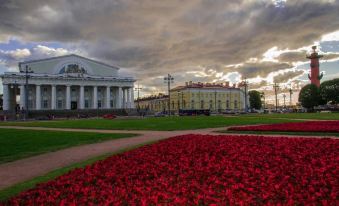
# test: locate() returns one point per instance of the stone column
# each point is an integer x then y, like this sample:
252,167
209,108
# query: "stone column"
119,98
22,97
82,97
124,98
108,97
68,96
129,97
132,97
95,97
5,97
53,98
37,97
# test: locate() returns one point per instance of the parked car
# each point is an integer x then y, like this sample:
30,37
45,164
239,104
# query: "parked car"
159,114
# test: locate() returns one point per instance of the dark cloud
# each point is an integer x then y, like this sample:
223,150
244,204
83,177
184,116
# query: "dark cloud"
153,38
252,70
287,76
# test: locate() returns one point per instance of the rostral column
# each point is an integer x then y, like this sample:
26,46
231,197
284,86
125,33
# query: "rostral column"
315,76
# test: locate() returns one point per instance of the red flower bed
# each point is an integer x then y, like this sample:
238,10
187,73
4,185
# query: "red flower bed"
310,126
203,170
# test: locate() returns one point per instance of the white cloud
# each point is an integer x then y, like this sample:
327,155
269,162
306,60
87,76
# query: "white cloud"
16,54
47,51
334,36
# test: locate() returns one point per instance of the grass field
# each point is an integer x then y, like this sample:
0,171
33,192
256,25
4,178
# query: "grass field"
18,144
16,189
153,123
319,116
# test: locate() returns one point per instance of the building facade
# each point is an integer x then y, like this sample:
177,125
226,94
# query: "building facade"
68,82
156,103
198,96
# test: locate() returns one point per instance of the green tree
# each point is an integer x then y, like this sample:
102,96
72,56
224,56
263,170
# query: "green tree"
309,96
255,99
329,91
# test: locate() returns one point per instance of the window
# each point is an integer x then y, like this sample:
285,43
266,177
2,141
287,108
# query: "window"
219,105
30,103
211,104
99,104
44,91
59,104
192,104
45,104
228,104
202,104
111,103
235,104
86,103
184,104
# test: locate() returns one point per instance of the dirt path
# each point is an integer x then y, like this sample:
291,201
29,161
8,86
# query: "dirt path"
25,169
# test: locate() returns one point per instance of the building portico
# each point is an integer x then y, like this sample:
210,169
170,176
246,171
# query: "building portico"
72,87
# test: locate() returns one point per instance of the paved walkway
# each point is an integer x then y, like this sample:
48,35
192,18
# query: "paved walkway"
25,169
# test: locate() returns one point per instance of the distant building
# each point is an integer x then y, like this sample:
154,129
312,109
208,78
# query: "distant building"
156,103
212,96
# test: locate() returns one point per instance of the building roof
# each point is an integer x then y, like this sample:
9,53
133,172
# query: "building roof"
153,97
69,55
201,85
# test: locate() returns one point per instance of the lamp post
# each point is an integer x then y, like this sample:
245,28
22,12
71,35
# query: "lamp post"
169,79
138,91
182,101
215,100
284,96
276,88
178,102
291,92
14,87
27,71
262,94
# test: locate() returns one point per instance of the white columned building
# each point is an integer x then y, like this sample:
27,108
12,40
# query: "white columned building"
68,82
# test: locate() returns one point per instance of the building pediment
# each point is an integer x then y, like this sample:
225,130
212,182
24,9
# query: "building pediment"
70,65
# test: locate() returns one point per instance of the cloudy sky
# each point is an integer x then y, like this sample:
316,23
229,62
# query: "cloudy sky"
265,41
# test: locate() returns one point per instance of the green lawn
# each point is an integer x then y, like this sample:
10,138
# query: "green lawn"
16,189
18,144
153,123
319,116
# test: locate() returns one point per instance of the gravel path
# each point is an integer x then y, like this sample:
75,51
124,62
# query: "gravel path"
25,169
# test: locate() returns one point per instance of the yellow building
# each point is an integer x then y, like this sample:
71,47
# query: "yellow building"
155,103
215,97
197,96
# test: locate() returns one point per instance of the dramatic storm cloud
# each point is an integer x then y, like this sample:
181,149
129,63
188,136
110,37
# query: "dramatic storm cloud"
202,40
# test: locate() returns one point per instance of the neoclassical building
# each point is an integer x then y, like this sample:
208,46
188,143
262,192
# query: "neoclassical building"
68,82
197,96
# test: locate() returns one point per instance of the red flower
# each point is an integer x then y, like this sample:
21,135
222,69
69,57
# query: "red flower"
310,126
203,170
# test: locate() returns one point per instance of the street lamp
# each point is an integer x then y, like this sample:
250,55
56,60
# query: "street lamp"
276,88
178,102
169,79
138,91
215,100
27,71
14,87
291,92
262,94
284,96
